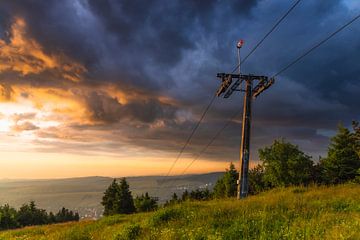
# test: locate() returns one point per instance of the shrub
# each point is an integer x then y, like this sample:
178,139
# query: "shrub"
164,216
145,203
130,232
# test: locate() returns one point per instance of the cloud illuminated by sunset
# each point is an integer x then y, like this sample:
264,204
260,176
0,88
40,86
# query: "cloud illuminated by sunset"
107,88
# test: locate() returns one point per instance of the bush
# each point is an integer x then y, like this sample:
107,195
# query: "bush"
164,215
285,164
145,203
130,232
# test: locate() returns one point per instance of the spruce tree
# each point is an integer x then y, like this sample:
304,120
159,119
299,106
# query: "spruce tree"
226,186
118,199
343,161
110,199
8,217
125,203
230,179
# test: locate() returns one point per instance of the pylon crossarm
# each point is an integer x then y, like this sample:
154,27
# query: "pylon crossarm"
262,86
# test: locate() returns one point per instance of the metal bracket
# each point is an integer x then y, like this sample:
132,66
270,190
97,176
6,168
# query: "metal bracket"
227,80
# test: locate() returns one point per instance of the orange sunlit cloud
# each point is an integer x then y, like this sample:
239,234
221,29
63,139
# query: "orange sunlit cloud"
26,56
65,119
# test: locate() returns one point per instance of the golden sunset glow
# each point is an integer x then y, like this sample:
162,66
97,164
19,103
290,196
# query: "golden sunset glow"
57,125
90,88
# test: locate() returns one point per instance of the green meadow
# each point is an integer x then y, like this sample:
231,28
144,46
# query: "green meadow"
283,213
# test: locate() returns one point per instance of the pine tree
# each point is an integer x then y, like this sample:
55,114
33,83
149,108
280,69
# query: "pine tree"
8,217
343,161
125,203
230,181
226,186
110,199
29,215
118,199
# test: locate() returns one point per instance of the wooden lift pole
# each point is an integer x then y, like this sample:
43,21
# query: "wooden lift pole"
243,182
227,87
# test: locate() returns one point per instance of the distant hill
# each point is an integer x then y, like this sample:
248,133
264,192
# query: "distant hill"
286,213
84,194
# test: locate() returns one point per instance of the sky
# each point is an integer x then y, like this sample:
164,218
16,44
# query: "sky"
114,87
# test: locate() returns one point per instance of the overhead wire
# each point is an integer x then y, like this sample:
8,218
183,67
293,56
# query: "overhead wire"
241,62
210,142
316,46
190,136
276,74
267,34
212,100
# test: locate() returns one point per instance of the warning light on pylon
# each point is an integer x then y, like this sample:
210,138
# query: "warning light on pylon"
240,43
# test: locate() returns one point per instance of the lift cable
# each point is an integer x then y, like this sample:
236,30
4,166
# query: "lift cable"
210,142
250,53
246,57
190,136
276,74
267,34
316,46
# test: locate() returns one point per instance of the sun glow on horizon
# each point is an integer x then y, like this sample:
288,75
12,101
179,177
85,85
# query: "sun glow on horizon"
56,123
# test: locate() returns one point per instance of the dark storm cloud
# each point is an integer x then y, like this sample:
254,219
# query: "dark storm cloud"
175,49
122,38
108,109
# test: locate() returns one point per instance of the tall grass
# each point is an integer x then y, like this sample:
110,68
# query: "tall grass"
287,213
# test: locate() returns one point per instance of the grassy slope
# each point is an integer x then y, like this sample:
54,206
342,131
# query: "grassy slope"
291,213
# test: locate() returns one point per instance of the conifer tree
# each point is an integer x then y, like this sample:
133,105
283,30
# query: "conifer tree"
230,180
118,199
343,161
125,203
110,199
8,217
226,186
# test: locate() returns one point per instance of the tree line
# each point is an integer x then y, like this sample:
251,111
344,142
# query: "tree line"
282,164
118,199
30,215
